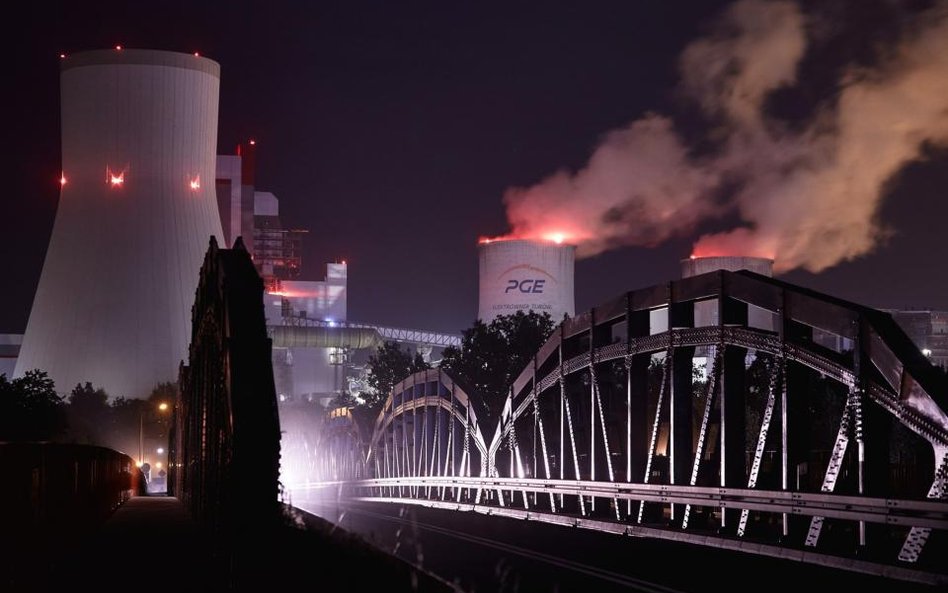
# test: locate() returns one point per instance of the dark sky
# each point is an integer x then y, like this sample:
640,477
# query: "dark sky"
392,129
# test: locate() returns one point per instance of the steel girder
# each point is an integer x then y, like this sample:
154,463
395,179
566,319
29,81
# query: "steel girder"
884,369
428,427
561,399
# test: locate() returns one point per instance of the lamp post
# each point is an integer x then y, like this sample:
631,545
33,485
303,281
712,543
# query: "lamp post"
162,407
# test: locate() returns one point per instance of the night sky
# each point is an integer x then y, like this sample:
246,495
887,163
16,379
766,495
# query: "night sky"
391,130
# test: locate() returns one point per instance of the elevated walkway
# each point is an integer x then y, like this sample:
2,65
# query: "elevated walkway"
151,544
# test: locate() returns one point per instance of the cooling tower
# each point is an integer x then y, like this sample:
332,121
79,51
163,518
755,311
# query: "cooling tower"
136,211
706,313
693,266
521,275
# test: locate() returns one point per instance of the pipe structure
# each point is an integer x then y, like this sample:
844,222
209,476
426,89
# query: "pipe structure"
356,338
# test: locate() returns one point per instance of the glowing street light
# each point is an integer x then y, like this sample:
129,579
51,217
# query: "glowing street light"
163,406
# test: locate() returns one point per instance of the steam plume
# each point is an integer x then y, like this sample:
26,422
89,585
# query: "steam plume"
808,197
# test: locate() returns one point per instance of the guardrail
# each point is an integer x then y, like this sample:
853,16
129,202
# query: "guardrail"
53,487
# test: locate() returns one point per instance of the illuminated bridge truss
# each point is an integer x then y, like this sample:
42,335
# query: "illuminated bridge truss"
428,428
727,409
339,448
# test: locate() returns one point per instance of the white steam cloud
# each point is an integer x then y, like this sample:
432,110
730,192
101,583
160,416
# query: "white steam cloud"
807,197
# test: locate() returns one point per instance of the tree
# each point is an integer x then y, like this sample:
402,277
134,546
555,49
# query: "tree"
492,355
89,414
389,365
30,408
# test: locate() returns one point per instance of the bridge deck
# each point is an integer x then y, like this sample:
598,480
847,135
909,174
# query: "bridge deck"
151,543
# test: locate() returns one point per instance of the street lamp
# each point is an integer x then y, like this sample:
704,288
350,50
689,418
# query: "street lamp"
162,407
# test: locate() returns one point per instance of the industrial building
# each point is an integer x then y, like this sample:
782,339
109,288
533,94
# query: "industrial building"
928,329
525,275
255,216
302,372
136,211
277,251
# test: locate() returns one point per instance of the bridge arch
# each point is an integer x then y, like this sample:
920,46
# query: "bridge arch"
428,426
614,387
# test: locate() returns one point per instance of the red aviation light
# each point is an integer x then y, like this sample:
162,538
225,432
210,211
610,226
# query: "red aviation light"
195,183
62,56
62,179
197,55
253,142
118,47
114,179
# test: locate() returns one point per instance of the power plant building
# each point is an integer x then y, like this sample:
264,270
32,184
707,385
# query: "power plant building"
310,373
137,208
525,275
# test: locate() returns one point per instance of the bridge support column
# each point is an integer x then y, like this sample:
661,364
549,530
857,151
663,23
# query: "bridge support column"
795,441
733,472
680,438
637,420
873,435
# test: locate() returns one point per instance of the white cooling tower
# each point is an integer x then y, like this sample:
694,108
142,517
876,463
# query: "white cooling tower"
521,275
136,212
706,313
693,266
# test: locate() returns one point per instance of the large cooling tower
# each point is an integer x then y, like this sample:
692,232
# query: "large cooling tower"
136,212
693,266
706,313
522,275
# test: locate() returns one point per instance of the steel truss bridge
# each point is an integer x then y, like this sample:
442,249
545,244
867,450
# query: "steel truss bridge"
727,409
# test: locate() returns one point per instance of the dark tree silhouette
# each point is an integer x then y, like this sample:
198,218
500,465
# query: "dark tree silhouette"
89,414
30,408
492,355
389,365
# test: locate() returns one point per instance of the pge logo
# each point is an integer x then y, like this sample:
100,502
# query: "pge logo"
526,286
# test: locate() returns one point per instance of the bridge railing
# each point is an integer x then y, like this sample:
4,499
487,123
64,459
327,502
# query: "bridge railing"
53,487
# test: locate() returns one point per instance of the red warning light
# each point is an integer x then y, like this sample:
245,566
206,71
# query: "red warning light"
62,179
114,179
253,142
196,183
197,55
62,56
118,47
